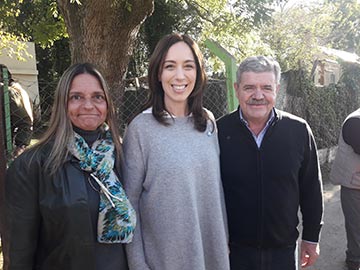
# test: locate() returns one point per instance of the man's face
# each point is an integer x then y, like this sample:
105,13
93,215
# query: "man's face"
256,93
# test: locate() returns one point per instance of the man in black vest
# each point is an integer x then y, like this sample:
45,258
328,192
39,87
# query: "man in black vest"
270,168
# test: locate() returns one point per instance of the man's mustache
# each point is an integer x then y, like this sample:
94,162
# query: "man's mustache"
257,102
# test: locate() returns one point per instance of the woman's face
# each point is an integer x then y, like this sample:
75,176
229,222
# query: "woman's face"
178,76
87,106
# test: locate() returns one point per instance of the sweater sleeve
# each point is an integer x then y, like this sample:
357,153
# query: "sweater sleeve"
134,175
310,185
350,132
22,214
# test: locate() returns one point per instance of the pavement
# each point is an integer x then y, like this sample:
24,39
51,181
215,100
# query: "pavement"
333,238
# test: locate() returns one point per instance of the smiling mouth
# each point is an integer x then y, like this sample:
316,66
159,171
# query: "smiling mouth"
179,88
88,115
257,105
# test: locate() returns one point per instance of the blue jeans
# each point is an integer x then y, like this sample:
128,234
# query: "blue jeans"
250,258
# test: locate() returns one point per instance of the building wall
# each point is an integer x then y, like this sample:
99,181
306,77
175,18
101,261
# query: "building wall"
24,72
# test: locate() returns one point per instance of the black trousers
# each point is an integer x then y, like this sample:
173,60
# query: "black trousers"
250,258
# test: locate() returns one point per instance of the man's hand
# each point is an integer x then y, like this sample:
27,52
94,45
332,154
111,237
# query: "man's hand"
309,252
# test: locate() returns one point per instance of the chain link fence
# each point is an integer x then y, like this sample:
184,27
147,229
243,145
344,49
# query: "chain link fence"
215,99
324,108
134,97
132,100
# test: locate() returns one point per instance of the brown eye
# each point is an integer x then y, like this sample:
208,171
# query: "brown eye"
75,97
100,97
248,89
189,67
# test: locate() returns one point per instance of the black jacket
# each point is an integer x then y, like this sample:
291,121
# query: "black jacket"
48,224
265,186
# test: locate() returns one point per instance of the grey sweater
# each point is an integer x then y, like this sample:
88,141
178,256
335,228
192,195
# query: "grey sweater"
172,177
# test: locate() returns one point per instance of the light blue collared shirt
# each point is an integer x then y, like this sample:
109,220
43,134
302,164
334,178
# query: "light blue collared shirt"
259,138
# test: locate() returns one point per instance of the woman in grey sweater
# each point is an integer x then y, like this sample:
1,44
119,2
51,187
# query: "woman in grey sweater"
171,168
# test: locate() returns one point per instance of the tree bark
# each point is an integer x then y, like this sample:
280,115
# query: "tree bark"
103,33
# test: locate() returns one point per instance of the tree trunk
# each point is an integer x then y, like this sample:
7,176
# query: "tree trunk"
103,33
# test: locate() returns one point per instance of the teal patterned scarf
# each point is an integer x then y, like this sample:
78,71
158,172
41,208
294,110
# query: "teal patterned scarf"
117,218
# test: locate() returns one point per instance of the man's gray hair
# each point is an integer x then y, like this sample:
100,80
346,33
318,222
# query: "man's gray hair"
259,64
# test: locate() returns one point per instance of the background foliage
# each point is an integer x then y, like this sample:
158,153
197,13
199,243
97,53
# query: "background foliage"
292,33
243,27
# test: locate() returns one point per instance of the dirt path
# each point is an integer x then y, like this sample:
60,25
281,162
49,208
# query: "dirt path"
333,239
